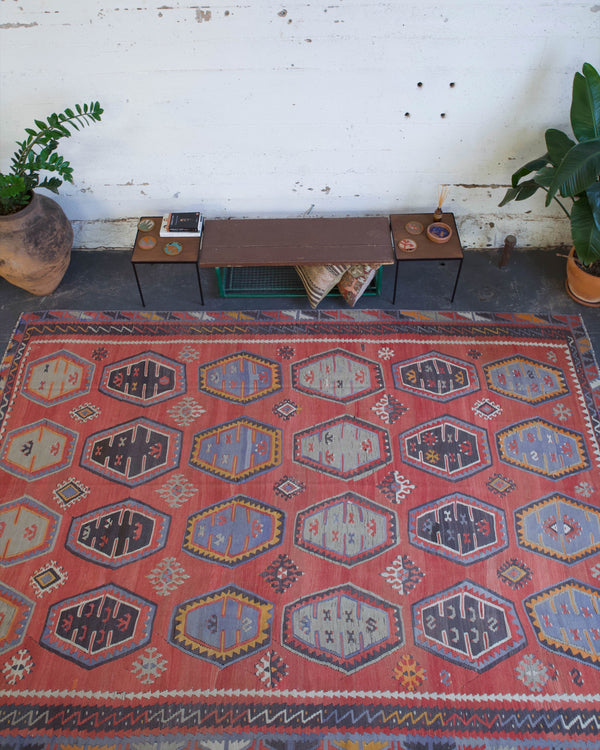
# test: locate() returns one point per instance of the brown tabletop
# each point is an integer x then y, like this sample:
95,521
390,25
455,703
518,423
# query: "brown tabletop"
189,246
287,242
426,249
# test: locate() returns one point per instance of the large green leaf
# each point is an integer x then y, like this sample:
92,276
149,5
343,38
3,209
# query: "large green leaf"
585,233
520,193
531,166
558,144
585,104
577,171
593,196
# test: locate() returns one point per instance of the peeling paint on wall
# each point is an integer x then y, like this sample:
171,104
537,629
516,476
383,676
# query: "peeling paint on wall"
18,25
203,15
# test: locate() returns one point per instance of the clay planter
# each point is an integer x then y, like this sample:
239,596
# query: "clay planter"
583,287
35,246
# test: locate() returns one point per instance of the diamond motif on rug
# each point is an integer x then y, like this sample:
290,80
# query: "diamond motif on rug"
134,452
337,375
468,625
436,376
446,447
458,527
222,626
16,611
347,529
148,378
344,447
98,626
566,620
344,627
118,534
37,450
57,377
240,378
559,527
234,531
543,448
525,379
27,530
237,450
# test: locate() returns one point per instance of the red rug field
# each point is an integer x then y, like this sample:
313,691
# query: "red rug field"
363,530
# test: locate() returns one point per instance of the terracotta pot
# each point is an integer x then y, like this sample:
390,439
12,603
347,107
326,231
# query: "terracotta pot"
35,246
583,287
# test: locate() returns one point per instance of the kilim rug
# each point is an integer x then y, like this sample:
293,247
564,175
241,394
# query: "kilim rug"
299,531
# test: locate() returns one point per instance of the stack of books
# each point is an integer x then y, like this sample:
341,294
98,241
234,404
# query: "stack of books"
181,225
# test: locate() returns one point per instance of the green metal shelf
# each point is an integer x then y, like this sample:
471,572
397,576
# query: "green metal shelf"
271,281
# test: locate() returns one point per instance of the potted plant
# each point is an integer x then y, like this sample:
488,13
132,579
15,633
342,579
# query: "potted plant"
570,169
35,234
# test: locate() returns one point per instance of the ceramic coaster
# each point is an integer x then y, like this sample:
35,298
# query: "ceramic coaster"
173,248
407,246
439,232
146,243
145,225
413,227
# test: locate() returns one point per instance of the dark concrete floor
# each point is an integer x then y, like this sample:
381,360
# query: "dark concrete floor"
532,282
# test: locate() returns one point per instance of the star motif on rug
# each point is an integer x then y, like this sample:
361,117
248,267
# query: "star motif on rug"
186,411
288,487
177,491
271,669
409,673
281,573
532,673
167,576
70,492
403,575
395,486
149,666
18,666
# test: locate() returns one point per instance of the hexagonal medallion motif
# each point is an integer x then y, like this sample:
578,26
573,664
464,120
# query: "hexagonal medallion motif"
525,379
15,613
566,620
241,377
132,453
560,527
234,531
346,529
222,626
237,450
337,375
458,527
118,534
468,625
446,447
27,529
57,377
436,376
98,626
344,627
38,449
543,448
344,447
146,379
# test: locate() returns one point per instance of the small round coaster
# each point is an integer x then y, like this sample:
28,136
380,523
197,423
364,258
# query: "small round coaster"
407,246
173,248
439,232
145,225
146,243
413,227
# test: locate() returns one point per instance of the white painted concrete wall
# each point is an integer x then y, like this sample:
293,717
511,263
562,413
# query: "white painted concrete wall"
262,109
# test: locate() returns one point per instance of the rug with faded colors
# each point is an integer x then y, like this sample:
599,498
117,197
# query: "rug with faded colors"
361,530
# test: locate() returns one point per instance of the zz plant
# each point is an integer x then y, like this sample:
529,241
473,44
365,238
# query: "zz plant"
570,169
37,154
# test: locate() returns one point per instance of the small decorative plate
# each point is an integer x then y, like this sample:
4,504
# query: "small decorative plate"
439,232
413,227
145,225
173,248
407,246
146,243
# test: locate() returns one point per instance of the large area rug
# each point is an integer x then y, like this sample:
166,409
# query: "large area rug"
279,530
